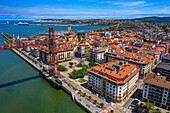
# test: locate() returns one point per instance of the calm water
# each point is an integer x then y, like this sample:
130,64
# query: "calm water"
22,90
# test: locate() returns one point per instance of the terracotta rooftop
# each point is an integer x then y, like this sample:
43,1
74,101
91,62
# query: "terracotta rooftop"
129,56
157,80
116,71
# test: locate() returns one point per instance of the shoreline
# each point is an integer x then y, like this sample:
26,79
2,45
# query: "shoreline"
52,25
64,87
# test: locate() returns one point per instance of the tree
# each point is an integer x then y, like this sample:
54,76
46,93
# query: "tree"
101,104
111,111
157,110
79,37
91,64
95,101
64,37
149,106
84,94
79,91
167,30
89,97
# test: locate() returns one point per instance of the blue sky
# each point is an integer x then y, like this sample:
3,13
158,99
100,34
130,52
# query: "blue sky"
82,9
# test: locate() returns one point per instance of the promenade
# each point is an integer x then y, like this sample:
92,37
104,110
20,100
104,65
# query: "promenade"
67,82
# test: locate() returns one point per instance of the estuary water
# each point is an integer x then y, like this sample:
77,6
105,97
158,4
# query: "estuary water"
22,90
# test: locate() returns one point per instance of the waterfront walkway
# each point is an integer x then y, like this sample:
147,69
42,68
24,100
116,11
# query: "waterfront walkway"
108,106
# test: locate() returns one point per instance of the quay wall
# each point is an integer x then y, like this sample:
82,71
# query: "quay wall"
67,90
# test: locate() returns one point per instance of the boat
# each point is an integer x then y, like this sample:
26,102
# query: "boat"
23,23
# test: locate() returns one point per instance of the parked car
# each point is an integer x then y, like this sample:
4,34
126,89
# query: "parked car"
135,102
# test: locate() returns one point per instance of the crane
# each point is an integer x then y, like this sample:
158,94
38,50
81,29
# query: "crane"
53,62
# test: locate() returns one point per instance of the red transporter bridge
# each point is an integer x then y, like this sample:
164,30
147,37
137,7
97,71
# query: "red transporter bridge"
53,62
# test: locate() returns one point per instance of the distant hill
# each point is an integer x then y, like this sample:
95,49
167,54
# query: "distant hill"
154,19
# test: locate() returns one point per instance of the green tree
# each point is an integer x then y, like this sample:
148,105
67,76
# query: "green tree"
91,64
111,111
101,104
167,30
84,94
79,91
64,37
95,101
79,37
149,106
89,97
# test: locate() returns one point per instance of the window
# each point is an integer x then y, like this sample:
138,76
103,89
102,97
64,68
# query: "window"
68,55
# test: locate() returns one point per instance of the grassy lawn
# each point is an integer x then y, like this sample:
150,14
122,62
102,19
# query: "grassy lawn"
9,36
82,80
70,66
78,65
53,79
62,68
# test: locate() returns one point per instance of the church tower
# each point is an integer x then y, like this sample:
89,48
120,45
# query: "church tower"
69,29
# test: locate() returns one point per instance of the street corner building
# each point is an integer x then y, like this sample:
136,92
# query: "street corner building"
115,80
156,90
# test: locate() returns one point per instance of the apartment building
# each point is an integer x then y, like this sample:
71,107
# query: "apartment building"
157,90
143,63
116,80
35,51
163,69
97,54
166,59
64,52
83,49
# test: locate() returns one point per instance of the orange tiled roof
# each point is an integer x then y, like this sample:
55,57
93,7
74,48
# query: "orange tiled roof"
116,73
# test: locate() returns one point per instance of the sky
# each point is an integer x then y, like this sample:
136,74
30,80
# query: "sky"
82,9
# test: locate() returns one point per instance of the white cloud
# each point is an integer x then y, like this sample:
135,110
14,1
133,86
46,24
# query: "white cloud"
46,12
130,3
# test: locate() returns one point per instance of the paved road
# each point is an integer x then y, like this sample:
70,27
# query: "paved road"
87,104
89,93
132,98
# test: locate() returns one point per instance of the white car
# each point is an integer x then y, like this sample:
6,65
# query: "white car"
137,99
